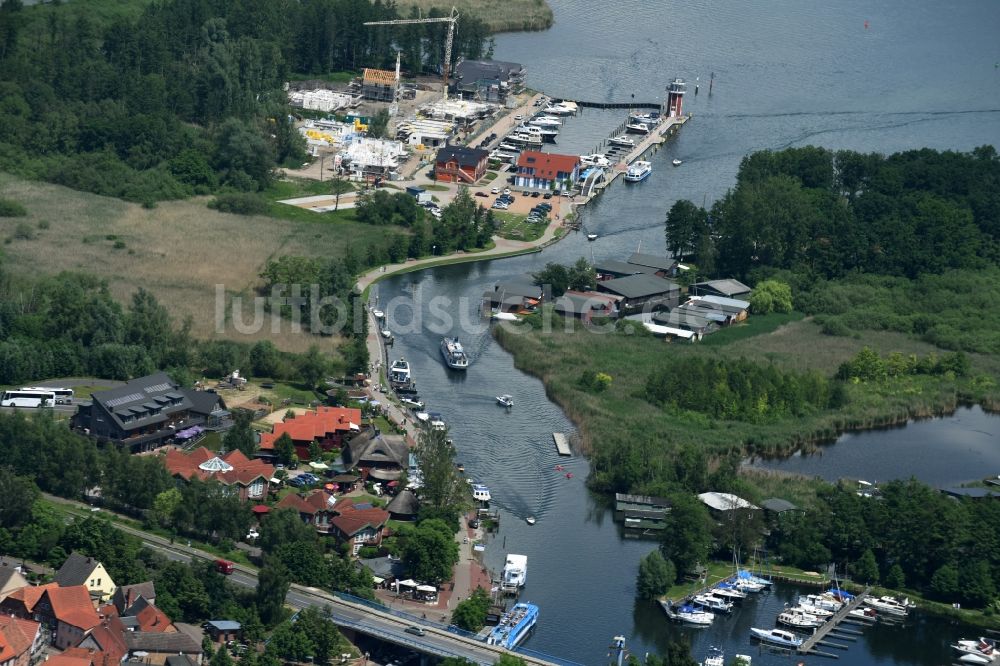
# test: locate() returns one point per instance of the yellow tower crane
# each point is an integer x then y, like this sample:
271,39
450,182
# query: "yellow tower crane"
451,19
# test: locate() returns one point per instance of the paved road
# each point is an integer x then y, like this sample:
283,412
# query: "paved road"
367,620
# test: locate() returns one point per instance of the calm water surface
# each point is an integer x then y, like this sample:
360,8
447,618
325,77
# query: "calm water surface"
787,73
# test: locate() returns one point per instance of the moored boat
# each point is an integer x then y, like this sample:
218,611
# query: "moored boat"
986,647
412,402
712,603
596,159
729,591
622,140
481,493
636,127
687,614
515,572
563,108
716,657
454,354
779,637
399,372
545,121
889,605
638,171
797,618
514,626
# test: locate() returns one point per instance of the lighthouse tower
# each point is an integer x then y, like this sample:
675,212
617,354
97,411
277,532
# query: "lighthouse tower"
675,98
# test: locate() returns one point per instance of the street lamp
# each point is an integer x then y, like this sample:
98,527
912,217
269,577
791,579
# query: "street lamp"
434,250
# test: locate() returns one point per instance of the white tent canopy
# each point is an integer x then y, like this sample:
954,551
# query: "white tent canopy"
426,588
409,582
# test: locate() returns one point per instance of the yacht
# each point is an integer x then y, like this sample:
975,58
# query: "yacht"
545,121
821,613
561,108
505,400
622,141
779,637
729,592
650,119
890,605
636,127
525,139
436,422
454,355
399,372
509,147
638,171
544,133
515,572
596,159
797,618
985,647
412,402
821,601
514,625
710,602
481,493
686,614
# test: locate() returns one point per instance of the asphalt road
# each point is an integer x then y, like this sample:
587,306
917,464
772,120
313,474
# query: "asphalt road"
385,626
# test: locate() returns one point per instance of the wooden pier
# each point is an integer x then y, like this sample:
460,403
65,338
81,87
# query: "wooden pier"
818,638
562,443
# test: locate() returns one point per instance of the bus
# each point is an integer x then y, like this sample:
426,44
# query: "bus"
64,396
28,398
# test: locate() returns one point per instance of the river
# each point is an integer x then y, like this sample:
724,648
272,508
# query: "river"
787,73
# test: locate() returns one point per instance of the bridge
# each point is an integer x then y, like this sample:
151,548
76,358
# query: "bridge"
352,613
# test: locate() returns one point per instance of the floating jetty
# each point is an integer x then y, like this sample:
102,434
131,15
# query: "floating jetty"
562,443
823,632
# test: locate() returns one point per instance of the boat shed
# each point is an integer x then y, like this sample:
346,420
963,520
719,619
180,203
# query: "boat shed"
642,292
778,505
586,304
725,502
642,512
686,319
515,296
728,288
732,310
609,269
662,266
972,493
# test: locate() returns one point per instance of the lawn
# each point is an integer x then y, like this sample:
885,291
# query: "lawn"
517,227
181,251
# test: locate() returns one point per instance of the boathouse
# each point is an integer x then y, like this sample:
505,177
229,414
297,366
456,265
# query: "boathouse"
641,512
642,292
662,266
687,319
458,164
517,296
609,269
723,310
728,288
585,305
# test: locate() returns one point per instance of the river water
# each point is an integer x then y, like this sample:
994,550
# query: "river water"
787,73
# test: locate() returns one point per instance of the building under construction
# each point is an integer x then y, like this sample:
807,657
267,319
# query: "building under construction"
379,85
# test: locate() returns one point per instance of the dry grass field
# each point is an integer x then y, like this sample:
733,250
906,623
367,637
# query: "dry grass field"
179,250
499,15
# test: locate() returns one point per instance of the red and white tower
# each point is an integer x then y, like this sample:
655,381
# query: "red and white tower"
675,98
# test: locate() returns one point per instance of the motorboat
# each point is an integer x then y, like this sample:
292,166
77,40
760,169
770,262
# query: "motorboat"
530,520
890,605
729,592
596,159
409,390
813,610
525,139
545,121
544,133
821,601
710,602
436,422
423,417
985,647
561,108
481,493
863,614
687,614
636,127
638,171
454,354
716,657
505,400
796,618
650,119
503,155
399,372
676,162
779,637
623,141
591,237
975,659
509,146
515,572
514,625
386,333
504,316
412,403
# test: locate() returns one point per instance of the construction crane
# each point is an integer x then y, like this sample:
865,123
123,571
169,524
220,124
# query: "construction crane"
451,19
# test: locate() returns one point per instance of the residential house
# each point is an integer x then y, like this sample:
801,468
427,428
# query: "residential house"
22,602
146,412
82,570
728,288
68,612
105,644
585,305
156,647
71,657
20,639
127,595
377,456
358,525
11,579
516,296
642,293
487,80
547,171
223,631
458,164
379,85
316,509
329,427
250,479
662,266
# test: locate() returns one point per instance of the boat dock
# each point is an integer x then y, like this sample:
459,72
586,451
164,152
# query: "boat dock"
562,443
823,632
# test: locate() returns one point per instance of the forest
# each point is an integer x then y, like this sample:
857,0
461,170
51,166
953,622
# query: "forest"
169,99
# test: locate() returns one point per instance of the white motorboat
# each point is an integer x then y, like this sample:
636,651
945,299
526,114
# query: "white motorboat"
650,119
779,637
399,372
504,316
710,602
454,354
821,601
502,155
890,605
436,422
863,614
622,141
412,403
596,159
591,237
510,147
386,333
797,618
561,108
687,614
423,417
985,647
530,520
545,121
524,138
636,127
481,493
716,657
813,610
975,659
729,592
676,162
544,133
638,171
505,400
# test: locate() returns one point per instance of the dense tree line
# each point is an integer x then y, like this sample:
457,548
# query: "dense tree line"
829,214
184,95
740,390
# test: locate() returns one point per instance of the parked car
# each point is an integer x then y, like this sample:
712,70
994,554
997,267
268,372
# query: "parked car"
482,194
547,195
535,195
495,190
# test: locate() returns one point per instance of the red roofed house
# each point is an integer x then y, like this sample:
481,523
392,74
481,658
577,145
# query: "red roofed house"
458,164
69,612
316,509
71,657
19,640
358,525
21,603
547,171
327,426
249,478
104,645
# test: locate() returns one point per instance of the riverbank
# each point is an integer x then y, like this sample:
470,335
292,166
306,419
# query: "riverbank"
510,16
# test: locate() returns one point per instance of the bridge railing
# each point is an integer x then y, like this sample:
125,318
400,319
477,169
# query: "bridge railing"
535,654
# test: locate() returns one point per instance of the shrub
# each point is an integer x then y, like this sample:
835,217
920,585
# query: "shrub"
10,208
239,203
24,232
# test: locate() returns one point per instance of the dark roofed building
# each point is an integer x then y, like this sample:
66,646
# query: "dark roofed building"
642,512
404,506
778,505
609,269
458,164
82,570
587,305
383,457
728,288
146,412
687,320
157,646
127,595
487,80
642,292
662,266
515,296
